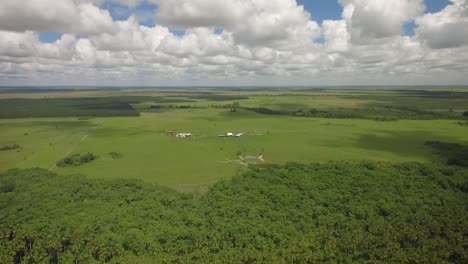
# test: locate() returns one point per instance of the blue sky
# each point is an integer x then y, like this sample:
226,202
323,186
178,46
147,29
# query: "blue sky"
320,10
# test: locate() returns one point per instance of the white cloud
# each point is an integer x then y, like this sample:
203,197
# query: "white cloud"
447,28
130,36
252,22
262,42
368,19
336,35
64,16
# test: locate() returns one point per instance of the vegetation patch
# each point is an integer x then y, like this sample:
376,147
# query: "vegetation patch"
379,114
319,213
453,153
76,107
115,155
7,186
75,160
217,97
9,147
267,111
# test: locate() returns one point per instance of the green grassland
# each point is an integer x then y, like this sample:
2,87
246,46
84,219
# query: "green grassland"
300,125
194,163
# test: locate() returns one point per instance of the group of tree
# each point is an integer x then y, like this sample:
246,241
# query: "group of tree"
76,160
334,212
381,113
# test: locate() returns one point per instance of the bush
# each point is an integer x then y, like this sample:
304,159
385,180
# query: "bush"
7,187
9,147
76,160
267,111
115,155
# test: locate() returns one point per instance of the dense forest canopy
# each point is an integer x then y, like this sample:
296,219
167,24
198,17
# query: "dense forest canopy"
333,212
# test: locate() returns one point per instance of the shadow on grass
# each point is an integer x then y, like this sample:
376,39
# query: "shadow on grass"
451,153
402,143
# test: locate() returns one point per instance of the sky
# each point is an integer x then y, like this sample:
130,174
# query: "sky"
233,42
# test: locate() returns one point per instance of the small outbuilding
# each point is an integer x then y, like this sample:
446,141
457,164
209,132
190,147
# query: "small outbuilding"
229,134
184,135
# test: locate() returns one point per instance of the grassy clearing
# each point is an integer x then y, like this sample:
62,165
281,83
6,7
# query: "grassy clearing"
193,164
43,141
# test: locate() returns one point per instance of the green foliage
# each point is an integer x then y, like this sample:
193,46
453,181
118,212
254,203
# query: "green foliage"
216,96
332,212
378,104
465,114
9,147
388,113
77,159
7,186
76,107
62,107
115,155
454,154
267,111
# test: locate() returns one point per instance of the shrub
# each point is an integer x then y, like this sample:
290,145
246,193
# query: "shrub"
115,155
7,187
76,160
9,147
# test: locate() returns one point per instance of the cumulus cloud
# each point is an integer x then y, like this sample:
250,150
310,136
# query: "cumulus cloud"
252,22
379,18
260,42
336,35
64,16
447,28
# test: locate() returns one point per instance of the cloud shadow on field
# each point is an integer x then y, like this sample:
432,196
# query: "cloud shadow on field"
403,143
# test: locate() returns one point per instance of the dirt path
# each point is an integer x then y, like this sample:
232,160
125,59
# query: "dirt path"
51,168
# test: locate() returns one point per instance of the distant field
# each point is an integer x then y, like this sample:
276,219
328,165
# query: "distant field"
125,129
376,104
193,164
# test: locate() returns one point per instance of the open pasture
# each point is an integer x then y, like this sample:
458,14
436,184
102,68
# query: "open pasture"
192,164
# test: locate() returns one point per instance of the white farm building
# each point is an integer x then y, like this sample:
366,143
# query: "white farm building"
184,135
